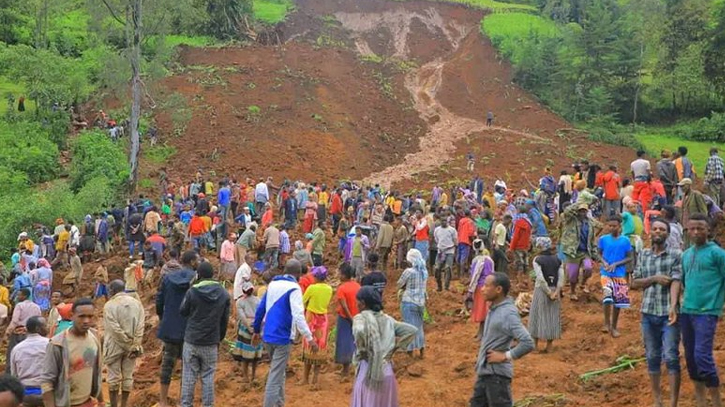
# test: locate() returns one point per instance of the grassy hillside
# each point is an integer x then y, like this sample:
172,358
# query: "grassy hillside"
657,139
509,31
272,12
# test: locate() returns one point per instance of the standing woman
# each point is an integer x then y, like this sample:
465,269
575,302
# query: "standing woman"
377,337
545,314
244,350
346,311
310,216
482,266
42,280
413,283
316,299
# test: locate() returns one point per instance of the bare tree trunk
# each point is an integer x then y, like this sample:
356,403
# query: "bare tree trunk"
639,82
135,57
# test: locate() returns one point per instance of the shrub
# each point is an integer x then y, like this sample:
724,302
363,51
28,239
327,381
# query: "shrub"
95,155
27,152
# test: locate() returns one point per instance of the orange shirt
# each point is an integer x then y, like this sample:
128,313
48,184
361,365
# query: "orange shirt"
466,229
397,206
611,182
347,292
196,226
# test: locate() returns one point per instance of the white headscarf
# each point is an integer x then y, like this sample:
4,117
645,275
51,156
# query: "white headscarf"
415,258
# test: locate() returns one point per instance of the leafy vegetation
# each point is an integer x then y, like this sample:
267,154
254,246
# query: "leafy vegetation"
509,32
497,6
95,155
159,154
271,11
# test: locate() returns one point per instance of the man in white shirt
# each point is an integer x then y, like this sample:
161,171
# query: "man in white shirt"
243,275
641,173
261,196
27,360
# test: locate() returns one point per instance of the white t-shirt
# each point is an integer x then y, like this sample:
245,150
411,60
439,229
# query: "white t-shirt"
640,168
499,235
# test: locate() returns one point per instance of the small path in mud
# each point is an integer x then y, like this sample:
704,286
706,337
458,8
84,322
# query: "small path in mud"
437,146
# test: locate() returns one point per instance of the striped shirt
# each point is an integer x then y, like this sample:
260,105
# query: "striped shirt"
656,298
284,244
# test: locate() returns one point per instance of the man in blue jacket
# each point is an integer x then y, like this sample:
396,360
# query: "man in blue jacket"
280,309
172,325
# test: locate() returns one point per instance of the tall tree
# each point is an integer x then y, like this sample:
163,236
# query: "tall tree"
715,51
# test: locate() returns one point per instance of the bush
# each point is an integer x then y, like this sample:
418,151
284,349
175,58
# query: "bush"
706,129
95,155
27,153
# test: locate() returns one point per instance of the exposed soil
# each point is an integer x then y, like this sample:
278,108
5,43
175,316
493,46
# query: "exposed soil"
326,114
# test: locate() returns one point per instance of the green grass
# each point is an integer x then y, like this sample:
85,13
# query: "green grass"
17,90
270,11
192,41
698,151
159,154
496,6
508,31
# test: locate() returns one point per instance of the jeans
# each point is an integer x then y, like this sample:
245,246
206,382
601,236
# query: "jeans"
199,361
443,278
611,207
132,247
278,358
197,242
422,246
316,259
661,341
698,332
271,256
492,391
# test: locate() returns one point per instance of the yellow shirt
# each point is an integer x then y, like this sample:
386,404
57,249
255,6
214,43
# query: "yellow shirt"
28,244
444,199
5,296
63,239
317,298
638,226
323,198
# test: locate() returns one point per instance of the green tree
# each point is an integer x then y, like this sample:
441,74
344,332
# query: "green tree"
95,155
715,51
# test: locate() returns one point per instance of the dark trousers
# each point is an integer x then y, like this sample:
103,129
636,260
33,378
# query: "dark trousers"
172,352
698,332
316,260
384,254
500,260
492,391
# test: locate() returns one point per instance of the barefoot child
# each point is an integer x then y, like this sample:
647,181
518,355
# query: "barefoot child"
616,252
316,299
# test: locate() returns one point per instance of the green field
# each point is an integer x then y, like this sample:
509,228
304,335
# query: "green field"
698,151
496,6
272,12
13,88
508,31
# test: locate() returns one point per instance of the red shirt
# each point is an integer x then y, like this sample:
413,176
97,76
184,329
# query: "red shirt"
336,206
422,234
197,226
306,281
466,229
156,239
522,235
347,292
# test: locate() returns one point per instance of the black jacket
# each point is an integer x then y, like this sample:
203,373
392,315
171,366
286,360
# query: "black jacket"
206,306
171,293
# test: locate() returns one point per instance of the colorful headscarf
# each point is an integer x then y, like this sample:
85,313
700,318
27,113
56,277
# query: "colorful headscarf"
43,263
543,243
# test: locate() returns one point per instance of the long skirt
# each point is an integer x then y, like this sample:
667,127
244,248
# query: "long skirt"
545,316
344,342
243,350
385,396
41,294
615,291
321,212
413,314
319,326
480,307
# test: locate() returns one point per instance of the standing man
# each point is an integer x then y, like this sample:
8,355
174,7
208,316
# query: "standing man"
281,308
261,196
76,271
521,240
692,202
612,184
466,234
503,325
17,329
498,243
616,253
336,209
489,119
172,325
72,367
641,171
446,240
659,272
667,174
356,252
290,211
422,234
246,241
26,361
714,176
123,327
206,307
578,243
271,246
318,243
385,241
703,277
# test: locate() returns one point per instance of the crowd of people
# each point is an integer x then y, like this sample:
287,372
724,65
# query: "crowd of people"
294,251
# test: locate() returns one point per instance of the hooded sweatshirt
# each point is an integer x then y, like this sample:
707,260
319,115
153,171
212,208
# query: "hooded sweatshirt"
171,293
206,305
502,326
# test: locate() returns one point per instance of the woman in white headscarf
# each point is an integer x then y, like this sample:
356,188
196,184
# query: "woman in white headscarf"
413,284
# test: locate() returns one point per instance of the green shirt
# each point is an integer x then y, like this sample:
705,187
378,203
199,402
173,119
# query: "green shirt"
318,242
703,280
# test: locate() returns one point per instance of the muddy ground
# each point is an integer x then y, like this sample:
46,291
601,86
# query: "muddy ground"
394,93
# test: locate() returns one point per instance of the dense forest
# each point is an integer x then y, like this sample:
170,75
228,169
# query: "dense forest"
622,61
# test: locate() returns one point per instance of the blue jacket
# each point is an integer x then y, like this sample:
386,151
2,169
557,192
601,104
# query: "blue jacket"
171,293
537,221
280,309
